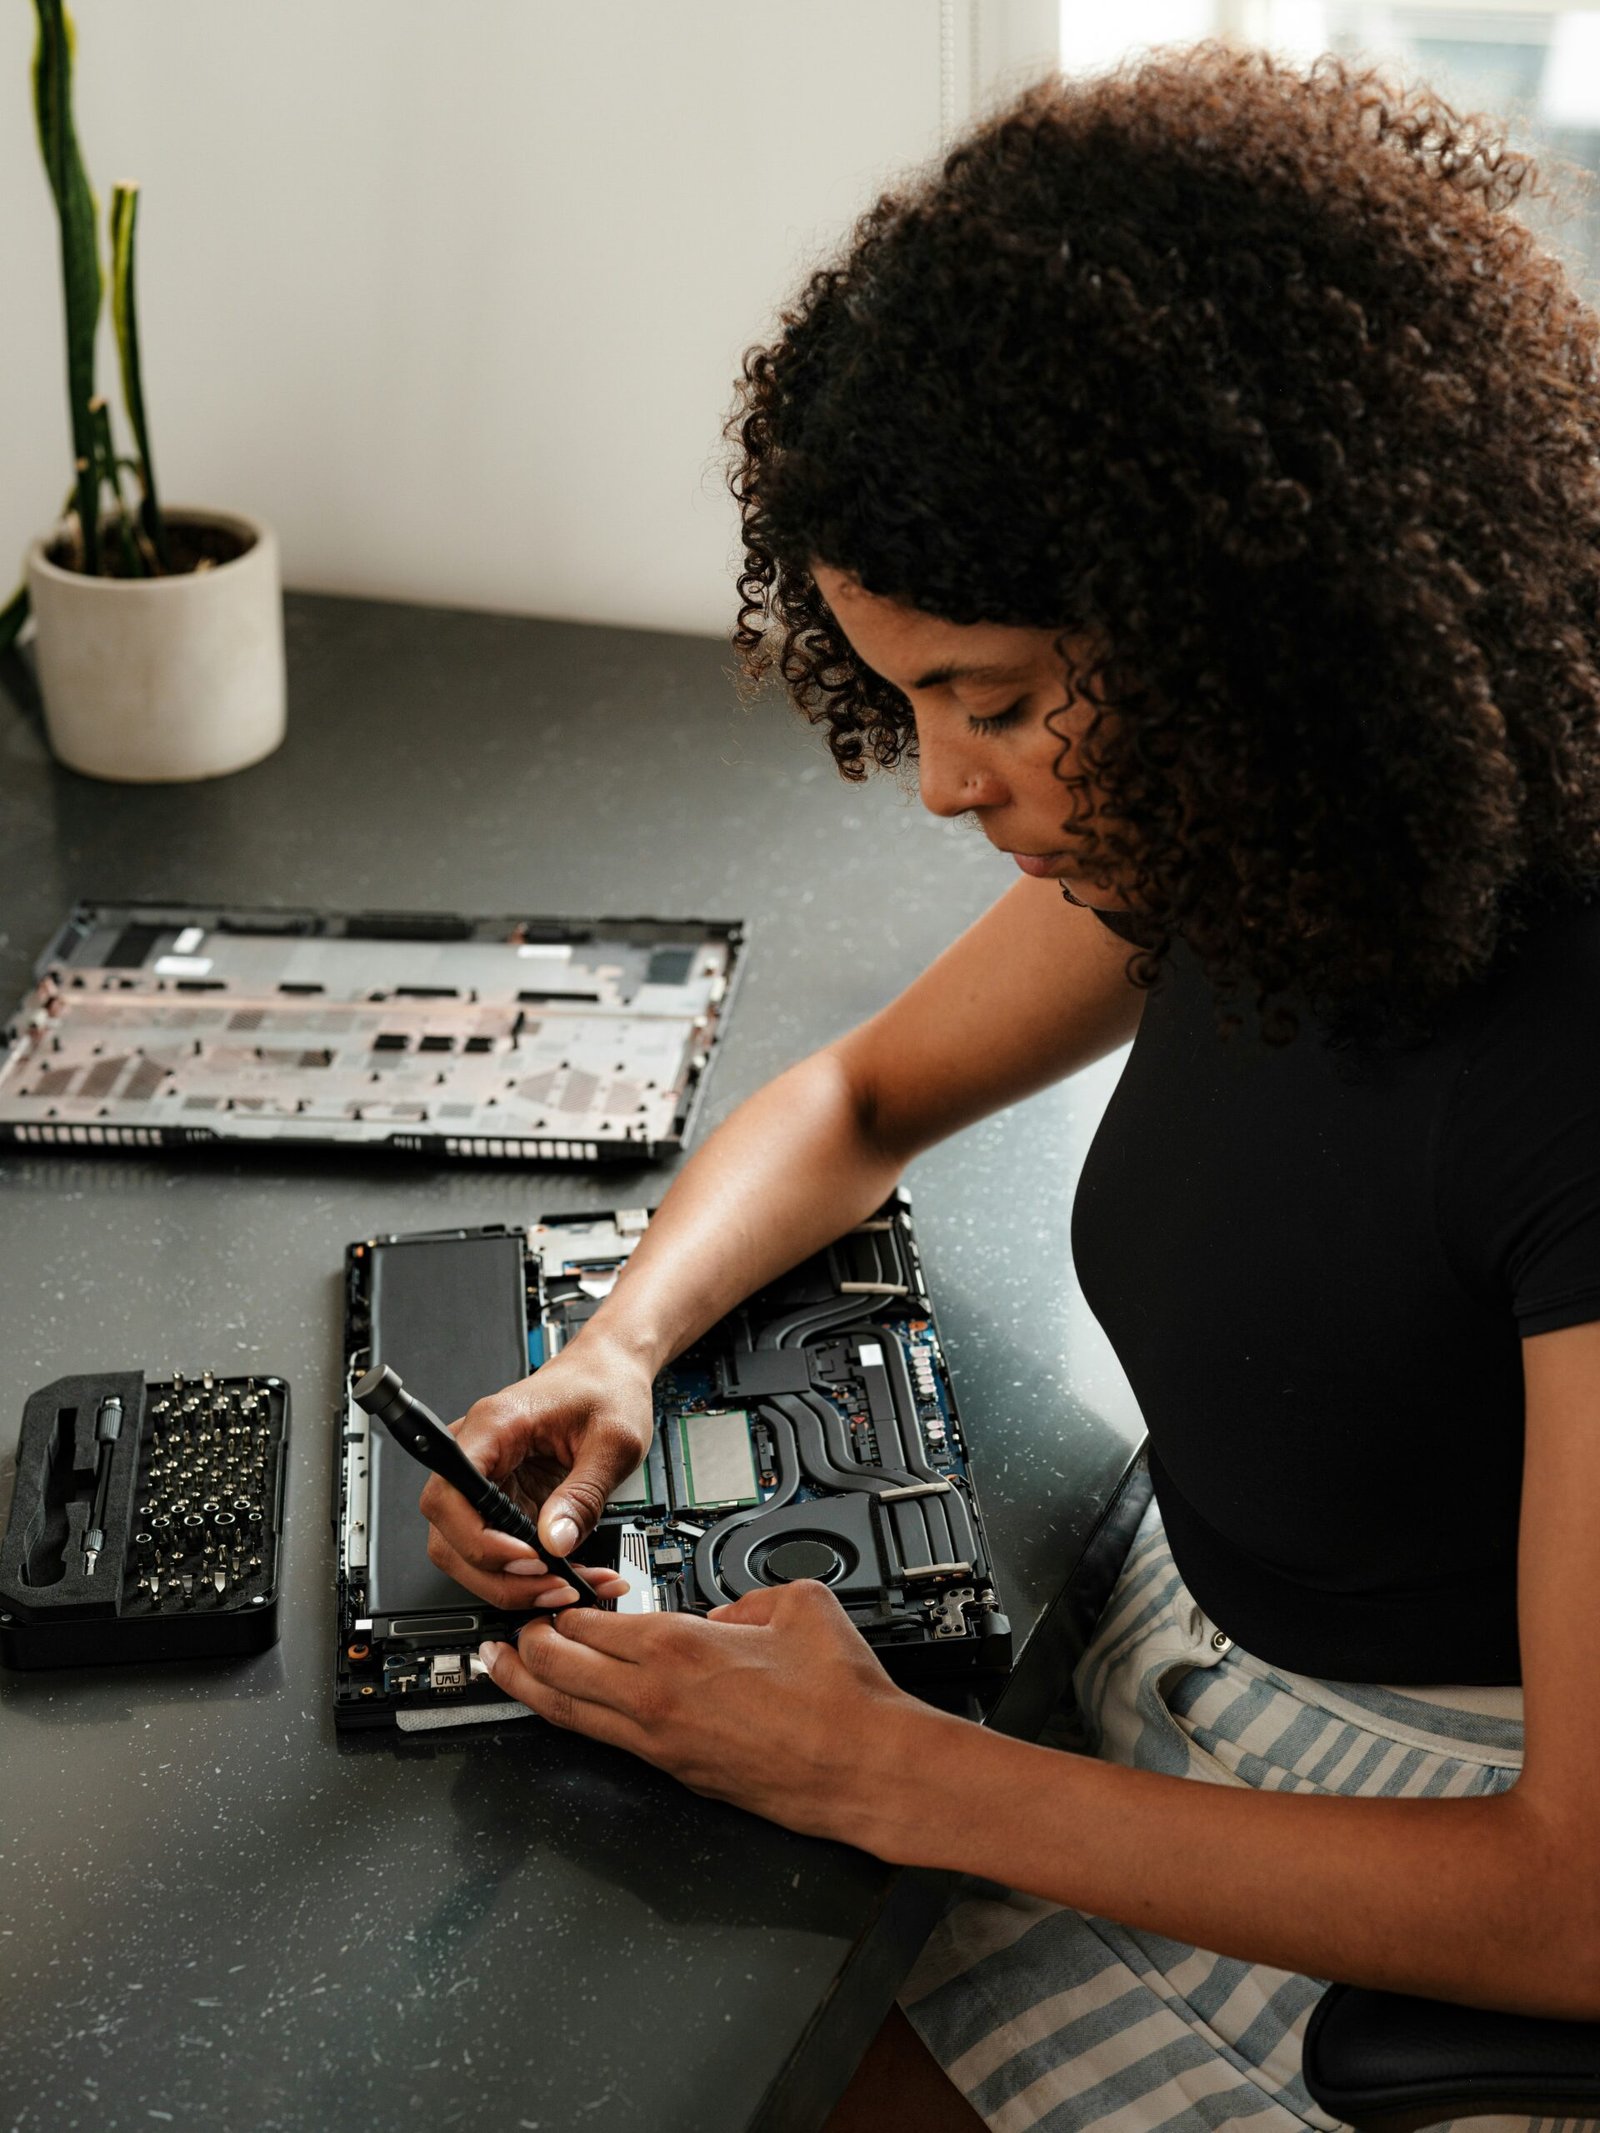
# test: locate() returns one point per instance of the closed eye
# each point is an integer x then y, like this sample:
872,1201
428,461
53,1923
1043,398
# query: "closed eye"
1000,719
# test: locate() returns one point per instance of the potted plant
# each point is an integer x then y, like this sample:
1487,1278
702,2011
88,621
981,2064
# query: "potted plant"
159,629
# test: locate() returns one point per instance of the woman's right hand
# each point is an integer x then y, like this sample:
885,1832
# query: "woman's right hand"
558,1443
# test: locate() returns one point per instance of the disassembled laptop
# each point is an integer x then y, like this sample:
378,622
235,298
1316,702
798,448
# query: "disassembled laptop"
496,1039
812,1433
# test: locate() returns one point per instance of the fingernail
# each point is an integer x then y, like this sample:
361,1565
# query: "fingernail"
555,1599
489,1652
563,1535
526,1566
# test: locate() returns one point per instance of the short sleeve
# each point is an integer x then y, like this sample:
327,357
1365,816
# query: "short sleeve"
1519,1182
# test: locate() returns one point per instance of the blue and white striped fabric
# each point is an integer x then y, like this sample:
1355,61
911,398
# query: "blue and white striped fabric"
1047,2018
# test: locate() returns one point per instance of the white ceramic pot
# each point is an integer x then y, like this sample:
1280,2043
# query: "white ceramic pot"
155,679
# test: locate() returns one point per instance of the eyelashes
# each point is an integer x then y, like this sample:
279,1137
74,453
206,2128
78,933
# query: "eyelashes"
1001,719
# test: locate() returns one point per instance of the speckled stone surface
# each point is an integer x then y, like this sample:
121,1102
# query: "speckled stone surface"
212,1913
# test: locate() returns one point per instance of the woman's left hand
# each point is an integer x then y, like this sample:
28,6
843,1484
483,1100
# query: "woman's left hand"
774,1703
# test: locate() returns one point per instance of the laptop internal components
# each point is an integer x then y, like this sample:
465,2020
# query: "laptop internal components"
813,1433
495,1039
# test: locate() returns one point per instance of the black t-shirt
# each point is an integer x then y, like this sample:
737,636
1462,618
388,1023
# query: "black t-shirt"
1316,1273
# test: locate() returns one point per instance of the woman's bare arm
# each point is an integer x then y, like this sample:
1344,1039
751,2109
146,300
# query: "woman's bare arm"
1034,990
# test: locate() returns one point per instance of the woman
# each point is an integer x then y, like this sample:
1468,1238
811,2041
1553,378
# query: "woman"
1198,478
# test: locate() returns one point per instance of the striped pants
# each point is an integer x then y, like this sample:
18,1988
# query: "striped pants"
1045,2017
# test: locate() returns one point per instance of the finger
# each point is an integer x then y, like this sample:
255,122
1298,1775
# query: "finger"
513,1590
507,1671
513,1594
517,1594
607,1454
576,1669
751,1607
634,1638
463,1530
606,1584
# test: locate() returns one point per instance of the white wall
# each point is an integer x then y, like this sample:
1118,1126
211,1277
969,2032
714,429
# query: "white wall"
453,291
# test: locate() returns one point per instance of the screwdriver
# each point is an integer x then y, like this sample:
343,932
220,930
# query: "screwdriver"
418,1430
107,1429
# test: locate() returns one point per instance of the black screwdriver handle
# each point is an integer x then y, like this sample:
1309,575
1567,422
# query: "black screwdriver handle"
417,1429
107,1429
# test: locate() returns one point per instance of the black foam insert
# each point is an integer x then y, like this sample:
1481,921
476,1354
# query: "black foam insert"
42,1568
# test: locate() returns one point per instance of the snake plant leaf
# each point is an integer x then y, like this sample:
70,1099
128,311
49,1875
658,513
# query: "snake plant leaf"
80,251
125,317
109,473
12,617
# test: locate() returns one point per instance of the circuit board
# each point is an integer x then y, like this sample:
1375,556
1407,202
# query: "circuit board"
813,1433
509,1039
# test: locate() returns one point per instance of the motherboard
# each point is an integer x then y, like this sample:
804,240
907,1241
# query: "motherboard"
812,1433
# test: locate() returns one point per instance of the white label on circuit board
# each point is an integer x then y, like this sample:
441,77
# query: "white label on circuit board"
871,1353
559,951
182,966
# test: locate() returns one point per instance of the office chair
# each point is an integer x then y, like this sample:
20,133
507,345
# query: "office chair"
1385,2062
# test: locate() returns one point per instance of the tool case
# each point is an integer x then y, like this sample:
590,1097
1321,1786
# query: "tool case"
146,1521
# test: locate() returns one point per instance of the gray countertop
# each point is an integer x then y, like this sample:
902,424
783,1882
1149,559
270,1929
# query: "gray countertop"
212,1912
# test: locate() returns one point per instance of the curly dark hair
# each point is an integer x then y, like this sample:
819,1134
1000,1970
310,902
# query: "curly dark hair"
1246,380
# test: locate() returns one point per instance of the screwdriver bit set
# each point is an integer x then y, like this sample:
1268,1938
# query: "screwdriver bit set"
146,1521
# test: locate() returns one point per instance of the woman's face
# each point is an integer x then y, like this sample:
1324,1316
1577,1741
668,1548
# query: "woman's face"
980,694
